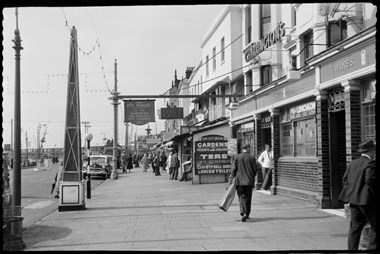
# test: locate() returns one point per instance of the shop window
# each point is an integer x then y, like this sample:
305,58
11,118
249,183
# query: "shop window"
222,53
298,138
287,140
265,14
337,32
266,74
305,143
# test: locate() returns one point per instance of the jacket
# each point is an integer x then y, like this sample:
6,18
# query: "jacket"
174,161
244,169
359,182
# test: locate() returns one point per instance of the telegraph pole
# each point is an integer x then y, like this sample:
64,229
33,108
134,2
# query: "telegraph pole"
115,103
17,137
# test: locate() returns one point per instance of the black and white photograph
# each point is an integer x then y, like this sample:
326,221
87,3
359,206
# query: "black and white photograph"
189,127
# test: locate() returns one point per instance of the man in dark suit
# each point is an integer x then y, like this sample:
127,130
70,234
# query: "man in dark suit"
244,171
359,191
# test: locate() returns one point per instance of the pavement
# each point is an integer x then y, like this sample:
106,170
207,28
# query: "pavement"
143,212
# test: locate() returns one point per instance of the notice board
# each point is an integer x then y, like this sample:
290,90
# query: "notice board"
211,156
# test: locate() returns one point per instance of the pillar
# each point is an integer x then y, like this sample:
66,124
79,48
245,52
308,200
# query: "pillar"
275,128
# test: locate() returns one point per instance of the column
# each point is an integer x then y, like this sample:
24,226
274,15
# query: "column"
275,127
257,143
247,84
353,118
322,115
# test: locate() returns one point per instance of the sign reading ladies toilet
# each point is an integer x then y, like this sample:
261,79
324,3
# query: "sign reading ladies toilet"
211,156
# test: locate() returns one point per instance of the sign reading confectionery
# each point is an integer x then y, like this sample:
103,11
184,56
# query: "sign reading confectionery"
139,112
211,156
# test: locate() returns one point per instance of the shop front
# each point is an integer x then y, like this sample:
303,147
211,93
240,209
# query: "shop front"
346,99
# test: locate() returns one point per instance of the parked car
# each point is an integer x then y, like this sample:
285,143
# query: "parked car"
100,165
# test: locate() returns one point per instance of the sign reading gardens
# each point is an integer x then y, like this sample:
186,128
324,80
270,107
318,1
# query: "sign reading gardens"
139,112
211,156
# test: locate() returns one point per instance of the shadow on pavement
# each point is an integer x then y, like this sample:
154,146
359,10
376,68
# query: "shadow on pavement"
253,220
41,233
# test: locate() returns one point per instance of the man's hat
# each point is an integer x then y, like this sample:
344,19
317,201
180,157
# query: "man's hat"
366,146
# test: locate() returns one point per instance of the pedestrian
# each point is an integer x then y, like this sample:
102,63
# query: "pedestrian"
145,162
174,165
266,161
156,164
244,172
129,162
124,162
169,160
359,192
57,180
161,161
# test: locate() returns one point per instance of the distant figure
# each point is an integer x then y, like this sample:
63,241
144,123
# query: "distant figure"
129,162
244,171
57,180
124,162
174,165
162,161
145,162
359,182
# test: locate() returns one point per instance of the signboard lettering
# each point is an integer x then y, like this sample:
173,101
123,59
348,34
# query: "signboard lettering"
211,156
139,112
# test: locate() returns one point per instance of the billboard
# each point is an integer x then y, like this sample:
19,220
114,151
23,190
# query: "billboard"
211,156
139,112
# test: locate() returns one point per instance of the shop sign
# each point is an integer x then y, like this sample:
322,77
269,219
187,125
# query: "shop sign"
305,109
266,121
139,112
256,48
246,127
171,113
211,156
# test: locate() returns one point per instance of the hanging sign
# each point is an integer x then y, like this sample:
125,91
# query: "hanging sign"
171,113
211,156
139,112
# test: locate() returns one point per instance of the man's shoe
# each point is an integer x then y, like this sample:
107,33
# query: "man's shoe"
244,219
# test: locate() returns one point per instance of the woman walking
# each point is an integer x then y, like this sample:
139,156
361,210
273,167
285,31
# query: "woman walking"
129,162
145,162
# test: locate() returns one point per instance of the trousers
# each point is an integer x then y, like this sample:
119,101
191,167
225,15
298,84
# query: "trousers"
359,216
245,199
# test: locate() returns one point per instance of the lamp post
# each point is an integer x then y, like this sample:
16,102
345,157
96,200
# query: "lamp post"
88,139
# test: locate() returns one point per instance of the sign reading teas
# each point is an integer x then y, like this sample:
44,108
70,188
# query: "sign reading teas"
211,156
139,112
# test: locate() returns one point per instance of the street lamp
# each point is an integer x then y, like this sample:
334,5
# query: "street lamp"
88,139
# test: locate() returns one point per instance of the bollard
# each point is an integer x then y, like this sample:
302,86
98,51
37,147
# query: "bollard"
88,186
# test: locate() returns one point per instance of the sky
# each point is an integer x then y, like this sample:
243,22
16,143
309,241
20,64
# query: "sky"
148,42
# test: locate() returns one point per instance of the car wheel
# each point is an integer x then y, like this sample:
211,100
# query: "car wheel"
104,177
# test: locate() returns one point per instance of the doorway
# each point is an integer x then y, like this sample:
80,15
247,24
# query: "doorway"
337,135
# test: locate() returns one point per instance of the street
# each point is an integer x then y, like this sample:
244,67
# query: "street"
36,200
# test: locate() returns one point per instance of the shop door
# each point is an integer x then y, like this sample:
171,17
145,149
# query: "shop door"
337,155
266,138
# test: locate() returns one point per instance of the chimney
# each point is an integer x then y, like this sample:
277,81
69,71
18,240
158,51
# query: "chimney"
188,72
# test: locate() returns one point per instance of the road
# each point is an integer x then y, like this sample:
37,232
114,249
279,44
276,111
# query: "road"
36,200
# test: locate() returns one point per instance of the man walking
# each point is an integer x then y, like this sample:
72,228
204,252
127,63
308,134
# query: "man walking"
359,191
244,171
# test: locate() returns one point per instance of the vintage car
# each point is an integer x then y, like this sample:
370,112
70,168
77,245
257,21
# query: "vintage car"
100,165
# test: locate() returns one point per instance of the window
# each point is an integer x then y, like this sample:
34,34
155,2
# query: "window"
294,17
287,140
265,14
369,111
248,22
305,142
222,45
308,44
207,68
214,59
337,32
266,74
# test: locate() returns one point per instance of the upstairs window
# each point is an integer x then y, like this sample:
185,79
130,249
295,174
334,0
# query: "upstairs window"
222,45
214,59
207,67
248,22
308,44
266,74
337,32
265,13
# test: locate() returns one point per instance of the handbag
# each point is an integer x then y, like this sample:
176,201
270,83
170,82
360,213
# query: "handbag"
228,196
